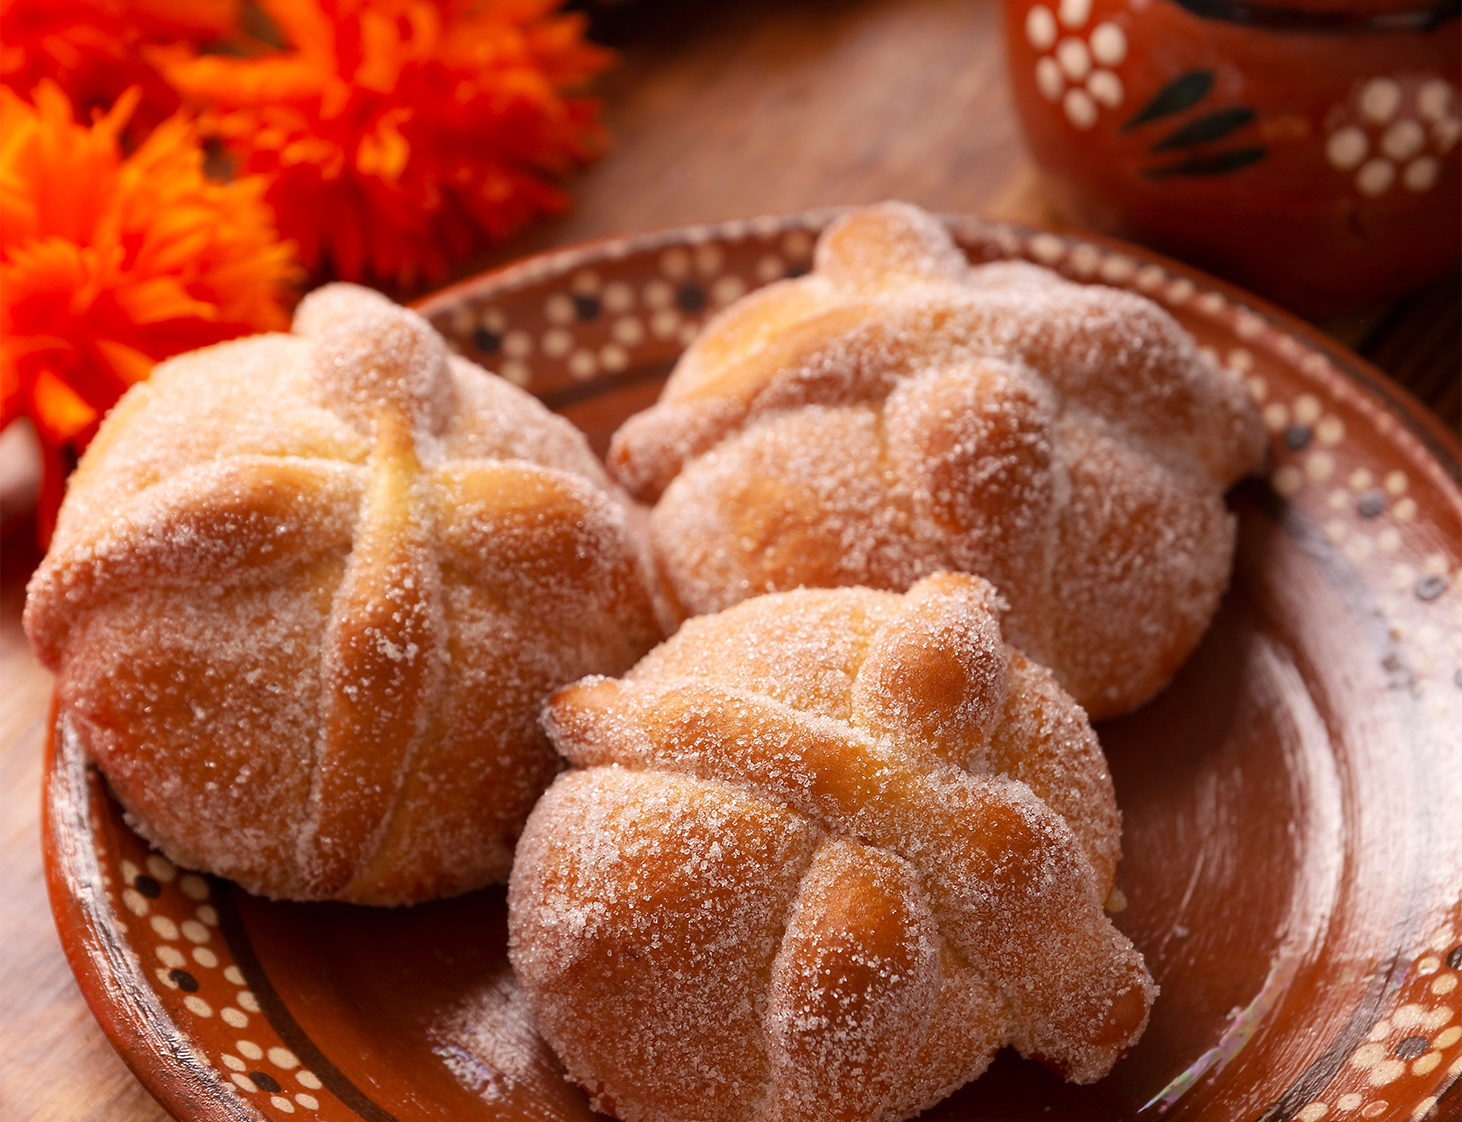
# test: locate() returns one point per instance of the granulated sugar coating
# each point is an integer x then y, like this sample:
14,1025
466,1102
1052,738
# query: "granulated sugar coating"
821,857
897,412
307,593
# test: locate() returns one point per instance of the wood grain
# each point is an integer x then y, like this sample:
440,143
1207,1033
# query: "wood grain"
716,111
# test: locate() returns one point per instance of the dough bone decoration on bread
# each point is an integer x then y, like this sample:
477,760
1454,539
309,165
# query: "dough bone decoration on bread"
307,593
819,858
897,412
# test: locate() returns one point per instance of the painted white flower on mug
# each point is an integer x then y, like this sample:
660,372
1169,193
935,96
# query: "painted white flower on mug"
1077,67
1388,138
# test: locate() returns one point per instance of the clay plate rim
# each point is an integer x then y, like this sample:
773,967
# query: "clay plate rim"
112,979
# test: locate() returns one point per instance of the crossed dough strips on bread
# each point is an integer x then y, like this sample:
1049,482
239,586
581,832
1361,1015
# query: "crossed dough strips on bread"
307,593
823,854
898,411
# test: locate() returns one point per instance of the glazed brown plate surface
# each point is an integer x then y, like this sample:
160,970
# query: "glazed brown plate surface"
1292,847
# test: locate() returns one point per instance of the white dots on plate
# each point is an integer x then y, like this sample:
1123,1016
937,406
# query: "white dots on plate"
235,1018
675,262
197,1006
582,365
557,342
797,244
628,331
1047,248
283,1058
613,358
1307,409
1118,268
709,258
171,957
517,344
618,297
1150,278
728,288
165,928
1288,481
1181,291
1085,259
516,371
161,868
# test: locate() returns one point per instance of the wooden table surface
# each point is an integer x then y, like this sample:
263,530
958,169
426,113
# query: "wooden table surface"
716,112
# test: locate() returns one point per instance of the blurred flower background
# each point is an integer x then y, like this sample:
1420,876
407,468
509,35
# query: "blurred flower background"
176,172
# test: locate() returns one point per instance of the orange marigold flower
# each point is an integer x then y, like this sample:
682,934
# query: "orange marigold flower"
401,135
109,263
96,49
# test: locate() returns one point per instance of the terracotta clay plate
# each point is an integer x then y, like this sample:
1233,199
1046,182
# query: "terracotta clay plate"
1293,837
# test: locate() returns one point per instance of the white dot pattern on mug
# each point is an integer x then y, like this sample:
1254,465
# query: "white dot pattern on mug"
1079,72
1395,133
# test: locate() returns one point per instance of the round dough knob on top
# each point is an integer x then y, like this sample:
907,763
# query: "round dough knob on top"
898,411
821,856
306,595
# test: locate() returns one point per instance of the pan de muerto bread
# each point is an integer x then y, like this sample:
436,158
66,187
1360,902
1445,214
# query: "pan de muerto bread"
306,596
898,411
822,856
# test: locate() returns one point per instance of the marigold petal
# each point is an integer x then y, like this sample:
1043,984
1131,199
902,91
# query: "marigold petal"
110,261
377,121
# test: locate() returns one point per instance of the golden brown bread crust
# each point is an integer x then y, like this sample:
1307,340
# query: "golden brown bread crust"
898,412
306,596
821,856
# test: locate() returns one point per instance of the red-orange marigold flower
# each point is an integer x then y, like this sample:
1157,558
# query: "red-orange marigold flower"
97,49
109,263
401,135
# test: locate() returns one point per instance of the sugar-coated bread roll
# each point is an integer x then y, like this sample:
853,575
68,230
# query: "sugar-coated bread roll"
308,592
821,856
898,411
